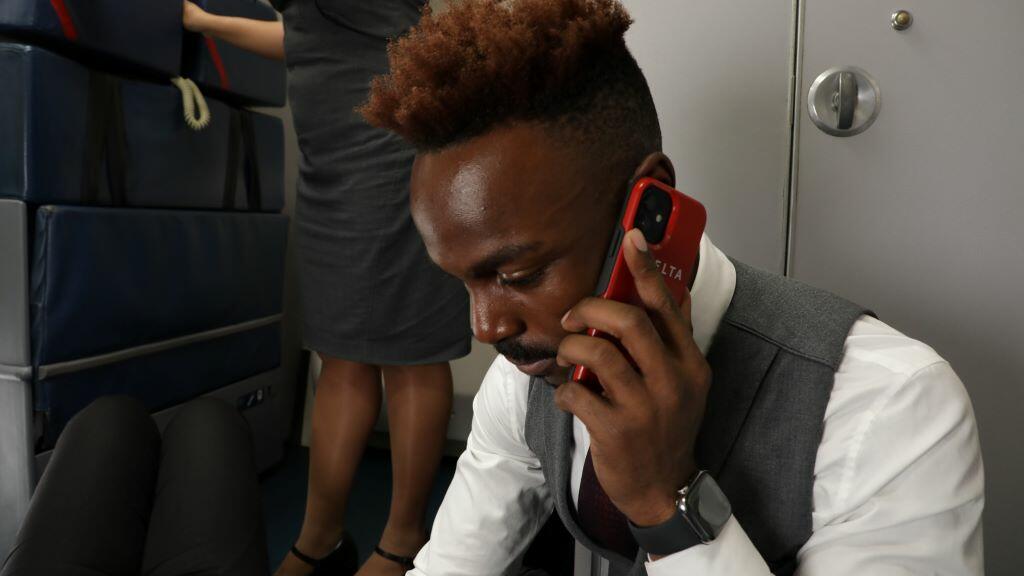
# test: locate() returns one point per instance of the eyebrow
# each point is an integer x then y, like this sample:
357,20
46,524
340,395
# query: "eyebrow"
501,257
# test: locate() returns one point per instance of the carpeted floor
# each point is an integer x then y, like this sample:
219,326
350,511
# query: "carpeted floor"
284,498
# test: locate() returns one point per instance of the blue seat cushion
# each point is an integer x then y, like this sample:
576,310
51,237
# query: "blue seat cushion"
104,280
59,124
144,35
161,305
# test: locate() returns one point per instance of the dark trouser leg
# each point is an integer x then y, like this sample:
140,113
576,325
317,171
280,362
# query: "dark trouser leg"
89,513
207,518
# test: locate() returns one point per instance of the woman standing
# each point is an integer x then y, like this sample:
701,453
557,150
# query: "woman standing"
373,304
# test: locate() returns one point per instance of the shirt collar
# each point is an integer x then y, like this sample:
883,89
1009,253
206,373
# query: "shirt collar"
712,291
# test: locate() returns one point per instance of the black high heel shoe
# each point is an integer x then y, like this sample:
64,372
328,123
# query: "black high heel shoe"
343,561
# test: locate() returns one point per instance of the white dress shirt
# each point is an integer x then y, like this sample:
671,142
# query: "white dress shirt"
898,480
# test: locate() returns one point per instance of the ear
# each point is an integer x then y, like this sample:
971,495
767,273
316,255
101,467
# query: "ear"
656,165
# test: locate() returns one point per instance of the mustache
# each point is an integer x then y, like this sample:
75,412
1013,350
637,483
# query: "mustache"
522,353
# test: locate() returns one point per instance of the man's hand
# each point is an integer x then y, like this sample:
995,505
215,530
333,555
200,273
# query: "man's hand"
644,427
194,18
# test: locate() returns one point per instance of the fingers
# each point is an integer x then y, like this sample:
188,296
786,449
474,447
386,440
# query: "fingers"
584,404
608,363
672,320
628,324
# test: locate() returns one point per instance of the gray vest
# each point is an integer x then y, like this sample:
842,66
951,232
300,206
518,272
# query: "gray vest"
773,361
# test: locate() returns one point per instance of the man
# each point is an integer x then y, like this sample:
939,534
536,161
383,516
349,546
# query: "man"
839,445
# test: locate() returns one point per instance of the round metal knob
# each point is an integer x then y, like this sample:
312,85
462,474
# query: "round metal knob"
843,101
901,20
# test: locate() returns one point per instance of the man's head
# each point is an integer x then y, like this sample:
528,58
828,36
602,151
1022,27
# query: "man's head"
530,118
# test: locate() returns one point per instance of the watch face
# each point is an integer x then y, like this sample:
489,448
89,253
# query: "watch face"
710,504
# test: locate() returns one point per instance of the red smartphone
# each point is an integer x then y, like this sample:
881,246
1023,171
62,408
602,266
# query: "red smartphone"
672,224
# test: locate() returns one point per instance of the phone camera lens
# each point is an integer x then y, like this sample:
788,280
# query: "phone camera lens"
652,214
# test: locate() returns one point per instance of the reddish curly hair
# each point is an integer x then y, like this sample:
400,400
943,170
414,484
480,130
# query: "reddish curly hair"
486,63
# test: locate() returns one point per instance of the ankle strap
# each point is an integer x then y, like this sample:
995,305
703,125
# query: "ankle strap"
305,558
403,561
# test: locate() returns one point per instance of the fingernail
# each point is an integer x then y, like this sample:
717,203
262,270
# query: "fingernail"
566,316
638,240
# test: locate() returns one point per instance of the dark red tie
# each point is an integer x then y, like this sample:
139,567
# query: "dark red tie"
600,519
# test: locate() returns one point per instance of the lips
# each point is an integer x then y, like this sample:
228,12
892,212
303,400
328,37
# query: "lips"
538,368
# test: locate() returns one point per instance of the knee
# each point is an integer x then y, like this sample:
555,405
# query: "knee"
117,420
421,375
209,434
347,374
123,413
114,407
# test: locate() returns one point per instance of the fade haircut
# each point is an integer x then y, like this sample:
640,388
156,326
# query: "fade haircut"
485,64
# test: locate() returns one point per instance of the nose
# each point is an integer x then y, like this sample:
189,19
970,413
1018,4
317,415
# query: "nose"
492,319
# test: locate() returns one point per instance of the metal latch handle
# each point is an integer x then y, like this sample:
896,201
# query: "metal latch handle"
845,99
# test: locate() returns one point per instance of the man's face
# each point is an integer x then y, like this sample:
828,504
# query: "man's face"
516,217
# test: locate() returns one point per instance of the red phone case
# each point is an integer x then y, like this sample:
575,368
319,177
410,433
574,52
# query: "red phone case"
675,254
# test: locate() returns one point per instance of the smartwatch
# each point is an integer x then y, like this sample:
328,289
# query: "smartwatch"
703,511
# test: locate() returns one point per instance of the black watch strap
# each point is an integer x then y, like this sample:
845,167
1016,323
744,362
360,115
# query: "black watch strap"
666,538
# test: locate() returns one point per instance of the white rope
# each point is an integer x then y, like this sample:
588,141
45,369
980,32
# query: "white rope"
192,100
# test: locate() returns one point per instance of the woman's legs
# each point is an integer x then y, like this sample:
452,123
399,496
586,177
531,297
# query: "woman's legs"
90,511
419,402
346,406
207,519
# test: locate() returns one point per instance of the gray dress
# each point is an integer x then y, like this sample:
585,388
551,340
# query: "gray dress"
369,292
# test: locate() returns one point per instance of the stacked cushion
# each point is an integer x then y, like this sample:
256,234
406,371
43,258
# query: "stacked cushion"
160,304
139,256
146,38
141,34
62,124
